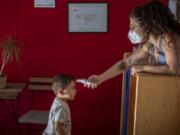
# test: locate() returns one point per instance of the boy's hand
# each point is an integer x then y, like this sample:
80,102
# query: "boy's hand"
59,128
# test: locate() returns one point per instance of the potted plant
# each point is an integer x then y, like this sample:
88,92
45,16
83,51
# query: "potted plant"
10,50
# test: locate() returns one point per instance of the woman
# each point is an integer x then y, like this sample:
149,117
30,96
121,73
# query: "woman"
155,28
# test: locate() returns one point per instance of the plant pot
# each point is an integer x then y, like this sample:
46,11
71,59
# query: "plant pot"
3,79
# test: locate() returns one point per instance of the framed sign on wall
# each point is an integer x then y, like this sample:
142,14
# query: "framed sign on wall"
87,17
44,3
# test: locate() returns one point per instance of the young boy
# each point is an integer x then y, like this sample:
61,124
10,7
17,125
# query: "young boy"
59,122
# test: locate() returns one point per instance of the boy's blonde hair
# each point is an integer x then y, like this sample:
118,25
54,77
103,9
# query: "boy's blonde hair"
60,81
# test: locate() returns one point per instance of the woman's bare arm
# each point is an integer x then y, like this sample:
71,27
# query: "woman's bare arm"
139,57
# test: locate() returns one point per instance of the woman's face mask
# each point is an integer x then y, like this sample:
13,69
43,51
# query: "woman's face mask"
134,37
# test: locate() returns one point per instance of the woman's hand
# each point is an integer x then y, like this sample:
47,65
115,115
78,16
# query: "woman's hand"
137,69
95,79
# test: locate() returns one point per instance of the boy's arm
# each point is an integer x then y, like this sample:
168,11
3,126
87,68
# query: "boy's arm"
60,120
59,128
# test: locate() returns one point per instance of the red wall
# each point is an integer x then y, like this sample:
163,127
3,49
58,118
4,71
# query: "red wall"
49,49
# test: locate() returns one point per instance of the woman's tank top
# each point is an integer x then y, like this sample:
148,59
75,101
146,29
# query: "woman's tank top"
161,56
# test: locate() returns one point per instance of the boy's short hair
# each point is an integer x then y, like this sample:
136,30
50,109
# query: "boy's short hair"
61,81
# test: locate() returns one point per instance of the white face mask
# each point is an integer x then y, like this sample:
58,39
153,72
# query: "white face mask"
134,37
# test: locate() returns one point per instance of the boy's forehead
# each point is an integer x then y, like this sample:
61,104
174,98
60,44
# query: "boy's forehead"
71,84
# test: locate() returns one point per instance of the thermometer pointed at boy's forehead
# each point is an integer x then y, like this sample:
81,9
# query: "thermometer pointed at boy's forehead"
86,83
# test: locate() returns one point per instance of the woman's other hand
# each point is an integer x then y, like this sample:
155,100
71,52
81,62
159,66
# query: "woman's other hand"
137,69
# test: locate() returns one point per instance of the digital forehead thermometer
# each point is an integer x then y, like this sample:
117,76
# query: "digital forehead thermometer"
86,82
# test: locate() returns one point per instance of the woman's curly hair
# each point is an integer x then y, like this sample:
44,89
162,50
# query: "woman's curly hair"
157,18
